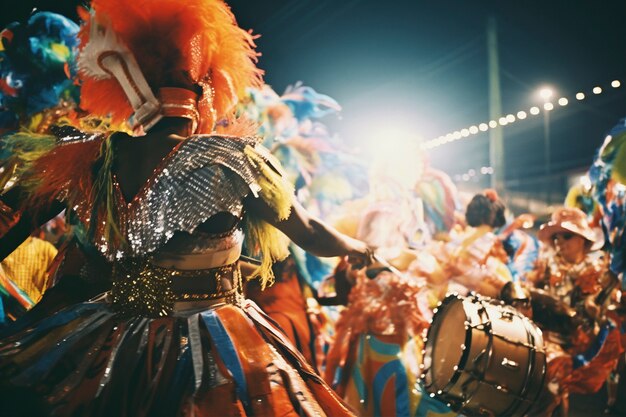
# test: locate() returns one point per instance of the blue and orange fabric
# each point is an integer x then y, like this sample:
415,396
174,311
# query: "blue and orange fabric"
383,379
229,360
374,360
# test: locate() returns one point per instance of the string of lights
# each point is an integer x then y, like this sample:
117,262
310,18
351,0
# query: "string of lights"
508,119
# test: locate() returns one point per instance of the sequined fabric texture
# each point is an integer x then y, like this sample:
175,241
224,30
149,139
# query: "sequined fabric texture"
140,288
203,176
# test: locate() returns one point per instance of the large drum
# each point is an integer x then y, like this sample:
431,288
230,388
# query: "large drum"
483,358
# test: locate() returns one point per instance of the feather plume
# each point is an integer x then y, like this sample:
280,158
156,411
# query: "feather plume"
64,173
176,42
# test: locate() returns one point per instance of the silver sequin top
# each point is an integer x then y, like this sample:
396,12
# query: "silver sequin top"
203,176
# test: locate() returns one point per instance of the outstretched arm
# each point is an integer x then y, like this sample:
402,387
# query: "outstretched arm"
312,234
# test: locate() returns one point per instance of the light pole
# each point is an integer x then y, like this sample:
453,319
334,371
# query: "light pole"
546,94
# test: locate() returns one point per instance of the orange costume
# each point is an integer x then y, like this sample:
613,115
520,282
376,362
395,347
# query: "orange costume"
593,351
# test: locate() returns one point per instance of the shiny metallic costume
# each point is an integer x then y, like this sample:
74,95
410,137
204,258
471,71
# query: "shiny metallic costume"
174,336
179,196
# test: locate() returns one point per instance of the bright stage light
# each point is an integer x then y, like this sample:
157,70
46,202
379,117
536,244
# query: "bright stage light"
563,101
546,93
580,96
483,127
615,84
521,115
597,90
395,154
534,110
493,124
548,106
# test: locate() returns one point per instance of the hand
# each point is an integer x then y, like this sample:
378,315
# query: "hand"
360,256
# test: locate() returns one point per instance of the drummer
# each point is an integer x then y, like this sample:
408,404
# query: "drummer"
573,270
570,266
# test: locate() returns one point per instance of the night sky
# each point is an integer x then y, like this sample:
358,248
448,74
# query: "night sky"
412,70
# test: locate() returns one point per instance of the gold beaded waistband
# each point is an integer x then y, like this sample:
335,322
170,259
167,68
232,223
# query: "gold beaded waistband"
141,288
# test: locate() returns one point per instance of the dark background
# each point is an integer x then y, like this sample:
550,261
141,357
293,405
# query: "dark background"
411,70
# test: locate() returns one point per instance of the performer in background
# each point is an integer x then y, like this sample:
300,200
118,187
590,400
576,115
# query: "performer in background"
474,259
165,206
574,273
373,362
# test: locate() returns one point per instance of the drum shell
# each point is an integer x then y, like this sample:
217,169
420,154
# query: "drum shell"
500,366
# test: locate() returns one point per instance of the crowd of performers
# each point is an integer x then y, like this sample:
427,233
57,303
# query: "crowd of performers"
145,172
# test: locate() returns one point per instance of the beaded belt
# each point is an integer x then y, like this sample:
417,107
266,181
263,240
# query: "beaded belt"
141,288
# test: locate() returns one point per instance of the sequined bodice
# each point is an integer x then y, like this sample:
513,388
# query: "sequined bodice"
205,175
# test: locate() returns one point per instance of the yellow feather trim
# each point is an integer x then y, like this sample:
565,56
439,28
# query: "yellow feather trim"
263,238
17,153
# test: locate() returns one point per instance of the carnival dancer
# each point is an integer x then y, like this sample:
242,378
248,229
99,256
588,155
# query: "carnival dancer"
574,272
165,207
474,259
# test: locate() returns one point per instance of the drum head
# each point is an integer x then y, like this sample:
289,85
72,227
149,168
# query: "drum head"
446,339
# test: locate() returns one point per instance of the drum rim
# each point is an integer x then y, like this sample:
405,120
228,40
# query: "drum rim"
428,348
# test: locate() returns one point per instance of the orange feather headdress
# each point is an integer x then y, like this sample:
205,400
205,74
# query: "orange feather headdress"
175,43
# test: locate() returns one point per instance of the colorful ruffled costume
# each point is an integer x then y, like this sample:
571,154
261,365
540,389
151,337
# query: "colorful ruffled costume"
584,362
36,91
36,60
374,360
473,260
164,340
